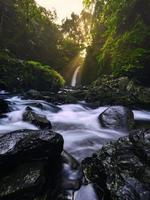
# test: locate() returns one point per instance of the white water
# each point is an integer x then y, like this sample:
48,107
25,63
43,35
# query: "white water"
74,78
76,122
86,192
78,125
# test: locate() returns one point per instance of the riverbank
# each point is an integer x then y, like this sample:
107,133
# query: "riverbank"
105,91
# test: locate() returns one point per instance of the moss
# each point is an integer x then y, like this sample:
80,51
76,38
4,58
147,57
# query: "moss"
24,75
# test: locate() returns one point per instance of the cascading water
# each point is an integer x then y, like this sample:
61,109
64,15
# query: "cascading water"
78,123
74,78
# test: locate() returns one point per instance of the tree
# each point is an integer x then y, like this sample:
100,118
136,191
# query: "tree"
120,43
29,31
77,28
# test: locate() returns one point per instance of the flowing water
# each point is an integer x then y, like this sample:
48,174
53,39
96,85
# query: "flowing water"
78,124
74,78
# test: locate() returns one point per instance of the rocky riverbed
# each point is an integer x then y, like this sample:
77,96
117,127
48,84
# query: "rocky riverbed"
61,148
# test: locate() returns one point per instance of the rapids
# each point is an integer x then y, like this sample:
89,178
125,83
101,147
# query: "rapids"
78,124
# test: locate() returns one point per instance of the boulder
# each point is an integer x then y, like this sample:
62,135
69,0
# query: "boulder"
23,182
117,117
38,120
27,145
109,90
4,108
34,94
122,167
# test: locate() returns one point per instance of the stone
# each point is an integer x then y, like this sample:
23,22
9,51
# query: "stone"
122,167
28,145
23,182
38,120
109,90
117,117
34,94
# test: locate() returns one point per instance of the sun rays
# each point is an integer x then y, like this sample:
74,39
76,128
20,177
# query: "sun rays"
64,8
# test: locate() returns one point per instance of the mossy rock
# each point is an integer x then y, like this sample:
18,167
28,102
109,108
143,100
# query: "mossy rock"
18,75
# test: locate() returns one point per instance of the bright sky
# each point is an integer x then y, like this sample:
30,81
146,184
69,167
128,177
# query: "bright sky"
63,7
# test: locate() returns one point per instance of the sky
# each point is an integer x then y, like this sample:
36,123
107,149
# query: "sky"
63,7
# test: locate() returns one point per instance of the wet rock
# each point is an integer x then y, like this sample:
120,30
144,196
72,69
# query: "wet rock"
4,108
26,145
122,167
139,93
64,96
109,90
34,94
79,94
23,182
38,120
117,117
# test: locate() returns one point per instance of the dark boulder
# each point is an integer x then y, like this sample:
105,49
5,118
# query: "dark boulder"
38,120
117,117
4,108
122,167
23,182
109,90
34,94
27,145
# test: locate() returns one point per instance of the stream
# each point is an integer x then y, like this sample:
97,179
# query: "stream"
77,123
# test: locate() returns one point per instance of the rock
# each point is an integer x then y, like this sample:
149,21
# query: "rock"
122,167
79,94
117,117
38,120
64,96
108,90
4,108
34,94
27,145
23,182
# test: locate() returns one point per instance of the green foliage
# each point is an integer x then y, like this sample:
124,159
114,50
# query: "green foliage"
30,32
25,29
24,75
120,39
77,28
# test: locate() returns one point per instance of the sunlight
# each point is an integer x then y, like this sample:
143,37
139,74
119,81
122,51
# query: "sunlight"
83,53
72,66
64,8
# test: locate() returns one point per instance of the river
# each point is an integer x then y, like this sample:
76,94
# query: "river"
78,124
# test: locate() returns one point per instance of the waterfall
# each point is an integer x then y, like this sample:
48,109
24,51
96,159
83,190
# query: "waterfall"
74,78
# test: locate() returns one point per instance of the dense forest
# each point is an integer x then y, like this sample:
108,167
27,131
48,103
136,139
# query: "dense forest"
115,35
30,32
120,40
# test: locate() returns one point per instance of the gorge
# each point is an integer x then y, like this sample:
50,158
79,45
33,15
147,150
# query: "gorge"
75,100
